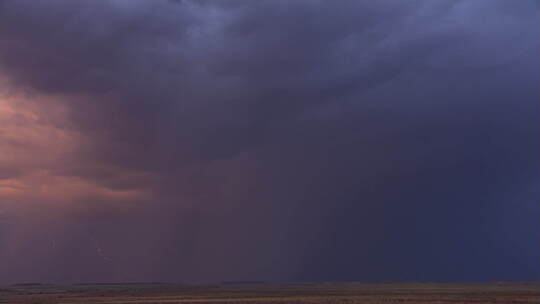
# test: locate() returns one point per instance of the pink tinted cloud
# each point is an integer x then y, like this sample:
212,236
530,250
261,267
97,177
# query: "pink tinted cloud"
39,153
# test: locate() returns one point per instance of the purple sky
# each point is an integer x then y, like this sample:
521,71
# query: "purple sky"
200,141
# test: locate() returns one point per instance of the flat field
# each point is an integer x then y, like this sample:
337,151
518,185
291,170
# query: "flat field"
331,293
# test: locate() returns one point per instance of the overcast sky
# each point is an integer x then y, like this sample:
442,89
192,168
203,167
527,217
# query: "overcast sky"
306,140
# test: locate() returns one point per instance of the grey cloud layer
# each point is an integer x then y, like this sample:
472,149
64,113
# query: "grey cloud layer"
304,140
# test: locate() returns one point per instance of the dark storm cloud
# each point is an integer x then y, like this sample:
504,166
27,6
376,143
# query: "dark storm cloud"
387,140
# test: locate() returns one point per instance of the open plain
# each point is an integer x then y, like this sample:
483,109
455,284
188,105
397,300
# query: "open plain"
334,293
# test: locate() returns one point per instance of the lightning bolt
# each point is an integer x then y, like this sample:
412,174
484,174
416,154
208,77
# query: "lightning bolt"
99,251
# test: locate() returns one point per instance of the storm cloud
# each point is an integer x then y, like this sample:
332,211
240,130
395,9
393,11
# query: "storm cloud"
200,141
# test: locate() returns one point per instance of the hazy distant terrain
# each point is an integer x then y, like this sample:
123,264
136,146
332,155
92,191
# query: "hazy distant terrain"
496,292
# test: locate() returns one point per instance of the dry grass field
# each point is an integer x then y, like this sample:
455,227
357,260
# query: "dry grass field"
346,293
